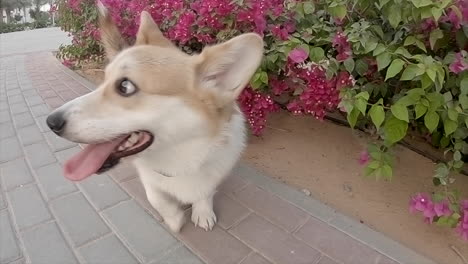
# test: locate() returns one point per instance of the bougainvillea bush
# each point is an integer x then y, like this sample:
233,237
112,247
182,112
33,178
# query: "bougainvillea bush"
391,67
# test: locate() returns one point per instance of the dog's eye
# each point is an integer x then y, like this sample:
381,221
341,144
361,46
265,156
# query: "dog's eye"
126,88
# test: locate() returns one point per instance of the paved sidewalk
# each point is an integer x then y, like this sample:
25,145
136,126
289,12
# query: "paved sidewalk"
46,219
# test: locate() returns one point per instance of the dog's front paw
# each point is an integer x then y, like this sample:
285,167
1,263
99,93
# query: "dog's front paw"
204,218
175,222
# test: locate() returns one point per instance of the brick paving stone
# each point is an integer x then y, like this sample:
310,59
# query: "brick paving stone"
14,99
29,134
214,247
326,260
255,258
15,173
41,123
39,154
123,172
10,249
144,235
66,154
52,181
29,95
6,130
102,191
10,149
57,143
273,208
45,244
34,99
19,108
107,250
136,189
273,242
232,184
78,219
47,93
28,207
39,110
334,243
228,211
23,119
4,116
3,204
54,102
385,260
180,255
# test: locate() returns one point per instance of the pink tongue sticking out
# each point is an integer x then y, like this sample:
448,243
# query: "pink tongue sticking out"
89,160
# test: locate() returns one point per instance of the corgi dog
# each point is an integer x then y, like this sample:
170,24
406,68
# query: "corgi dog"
173,115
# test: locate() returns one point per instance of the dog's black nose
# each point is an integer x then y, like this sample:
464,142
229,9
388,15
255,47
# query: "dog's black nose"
56,122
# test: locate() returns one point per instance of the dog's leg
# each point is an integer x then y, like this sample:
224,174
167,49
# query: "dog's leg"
202,213
168,208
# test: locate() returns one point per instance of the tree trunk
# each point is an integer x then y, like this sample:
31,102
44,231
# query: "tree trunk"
1,16
8,15
24,14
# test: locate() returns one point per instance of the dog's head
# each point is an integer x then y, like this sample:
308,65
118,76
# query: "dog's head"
153,93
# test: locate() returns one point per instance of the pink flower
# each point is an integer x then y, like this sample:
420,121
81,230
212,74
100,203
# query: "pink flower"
364,158
341,44
256,107
464,205
442,208
429,212
298,55
459,64
420,202
462,227
453,19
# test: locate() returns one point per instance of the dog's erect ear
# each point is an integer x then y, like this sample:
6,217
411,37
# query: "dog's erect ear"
110,36
149,33
227,68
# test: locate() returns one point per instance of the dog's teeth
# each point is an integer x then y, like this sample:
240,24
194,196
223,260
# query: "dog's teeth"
133,138
121,147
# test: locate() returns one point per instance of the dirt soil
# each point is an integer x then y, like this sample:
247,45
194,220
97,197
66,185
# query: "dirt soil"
322,157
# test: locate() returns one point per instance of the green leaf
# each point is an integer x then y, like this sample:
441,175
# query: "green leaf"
464,85
387,171
452,114
383,60
264,77
395,15
309,7
404,52
395,129
363,94
463,99
450,126
361,67
361,105
349,64
420,45
395,68
410,40
400,111
420,110
371,44
431,120
435,35
338,11
412,71
352,117
457,155
379,49
316,54
436,13
421,3
377,115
